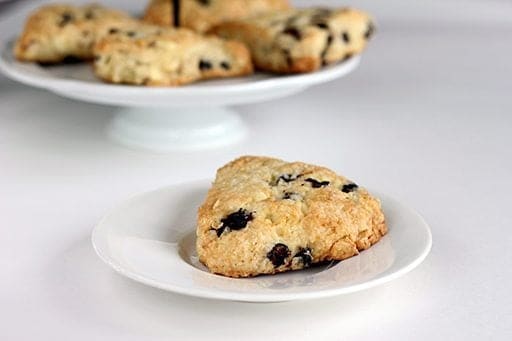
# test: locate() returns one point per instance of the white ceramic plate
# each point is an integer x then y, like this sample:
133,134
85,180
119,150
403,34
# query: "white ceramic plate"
151,239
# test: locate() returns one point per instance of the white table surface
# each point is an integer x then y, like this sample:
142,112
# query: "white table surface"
427,118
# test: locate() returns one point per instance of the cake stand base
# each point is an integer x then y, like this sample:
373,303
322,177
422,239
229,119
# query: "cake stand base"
176,129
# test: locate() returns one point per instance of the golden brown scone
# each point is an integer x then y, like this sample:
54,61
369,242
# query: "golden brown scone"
201,15
154,55
301,40
264,216
56,33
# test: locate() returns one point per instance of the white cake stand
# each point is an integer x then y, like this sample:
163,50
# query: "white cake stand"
165,118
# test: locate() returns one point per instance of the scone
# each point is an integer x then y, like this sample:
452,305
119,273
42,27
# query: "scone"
56,33
201,15
264,216
153,55
301,40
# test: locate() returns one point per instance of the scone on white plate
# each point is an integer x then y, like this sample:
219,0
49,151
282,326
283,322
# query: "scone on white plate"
263,216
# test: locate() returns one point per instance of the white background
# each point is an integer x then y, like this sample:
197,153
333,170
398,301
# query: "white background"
426,118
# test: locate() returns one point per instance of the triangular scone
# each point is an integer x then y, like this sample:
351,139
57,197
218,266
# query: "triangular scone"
264,216
301,40
153,55
57,33
201,15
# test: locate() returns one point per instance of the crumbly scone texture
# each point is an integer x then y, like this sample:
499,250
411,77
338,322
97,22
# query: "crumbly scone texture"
56,33
264,215
159,56
201,15
301,40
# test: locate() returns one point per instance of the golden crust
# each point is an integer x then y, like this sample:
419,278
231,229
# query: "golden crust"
201,17
158,56
300,40
55,32
329,221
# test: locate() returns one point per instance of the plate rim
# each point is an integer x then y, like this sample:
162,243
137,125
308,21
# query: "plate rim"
255,297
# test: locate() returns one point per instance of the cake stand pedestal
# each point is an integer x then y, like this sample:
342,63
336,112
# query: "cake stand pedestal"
176,128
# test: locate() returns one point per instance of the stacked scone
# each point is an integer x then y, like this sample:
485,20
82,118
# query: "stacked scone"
301,40
203,15
216,38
